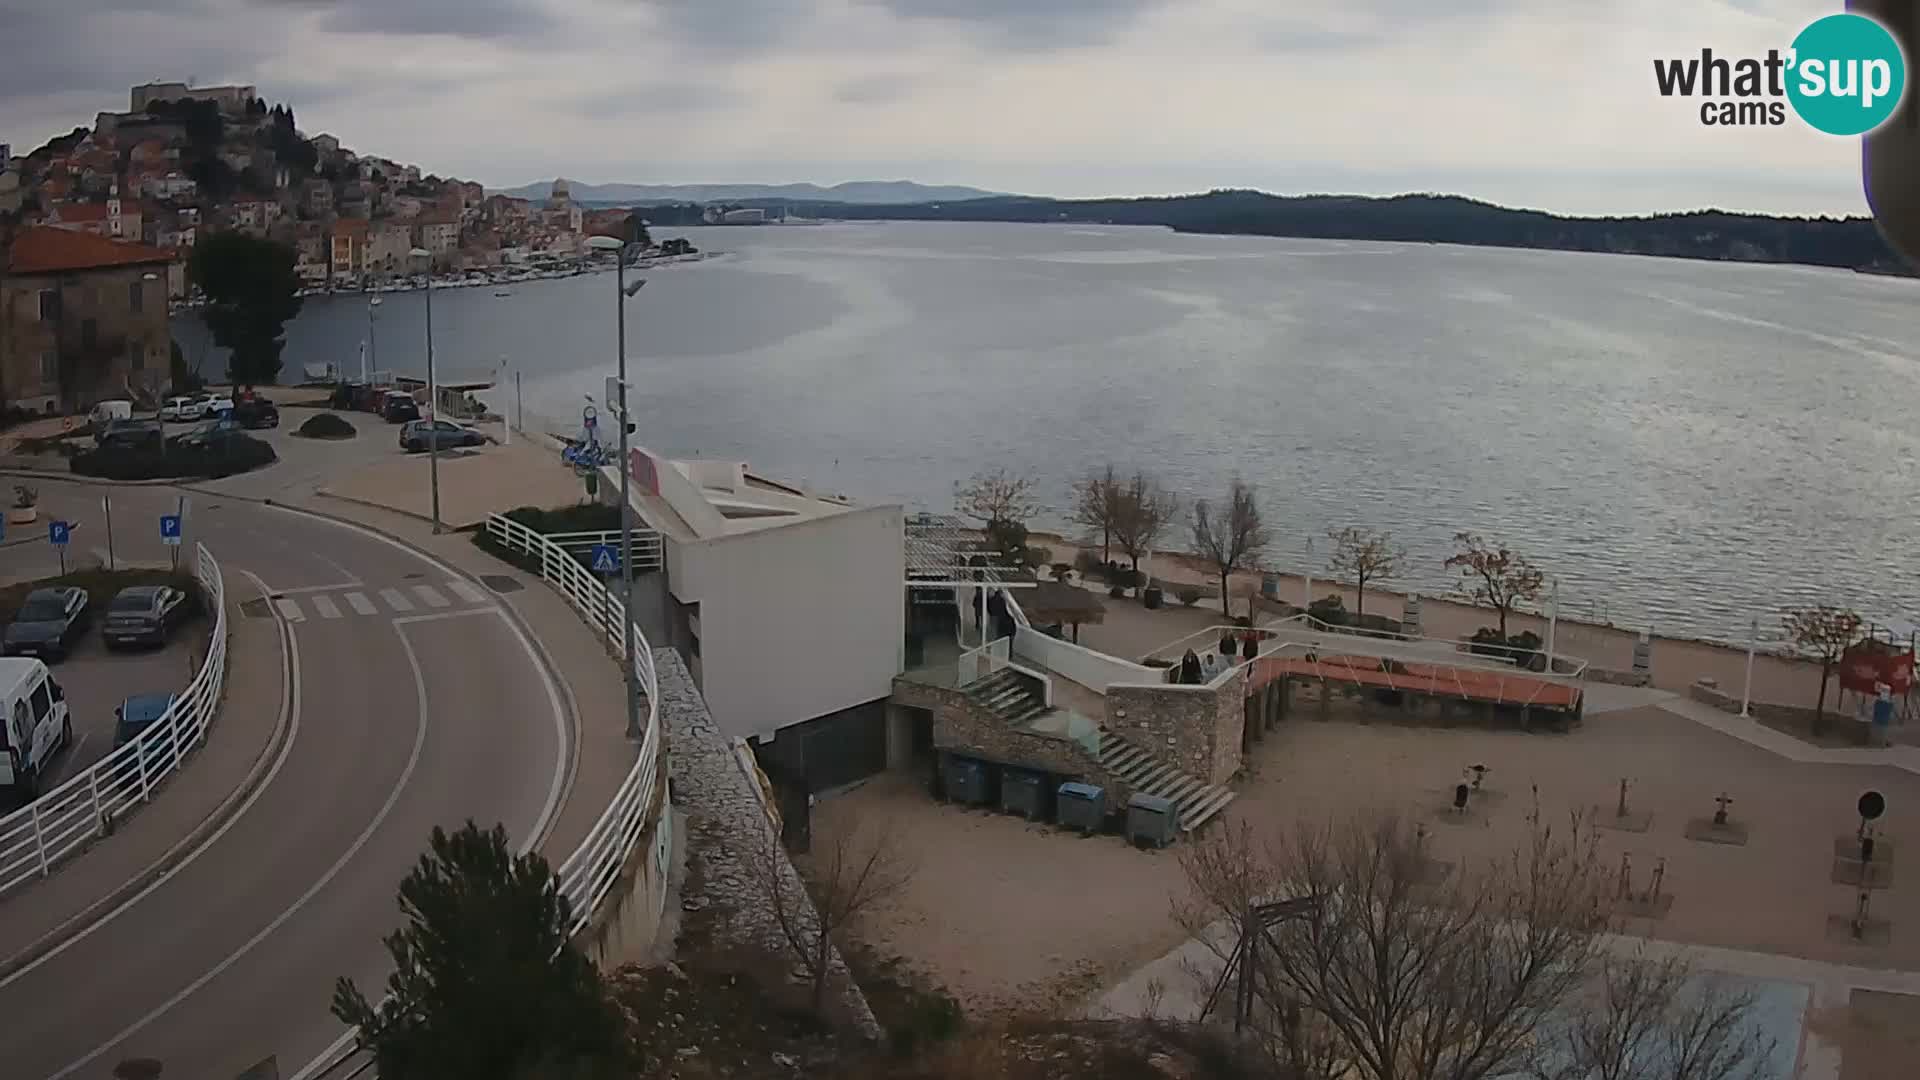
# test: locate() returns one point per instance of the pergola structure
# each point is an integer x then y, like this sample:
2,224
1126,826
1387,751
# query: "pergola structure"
946,553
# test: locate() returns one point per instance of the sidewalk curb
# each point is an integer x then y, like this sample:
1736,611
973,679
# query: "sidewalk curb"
218,817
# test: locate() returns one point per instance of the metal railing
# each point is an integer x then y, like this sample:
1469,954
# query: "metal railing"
647,551
981,661
87,806
590,873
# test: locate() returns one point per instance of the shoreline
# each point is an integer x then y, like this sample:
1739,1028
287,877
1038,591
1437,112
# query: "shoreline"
1676,663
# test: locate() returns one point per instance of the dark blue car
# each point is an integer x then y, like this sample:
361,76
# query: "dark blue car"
136,714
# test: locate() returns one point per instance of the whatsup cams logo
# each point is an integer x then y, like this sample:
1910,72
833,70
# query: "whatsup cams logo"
1844,75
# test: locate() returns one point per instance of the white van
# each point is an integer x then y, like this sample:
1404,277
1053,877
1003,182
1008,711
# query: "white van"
106,413
34,725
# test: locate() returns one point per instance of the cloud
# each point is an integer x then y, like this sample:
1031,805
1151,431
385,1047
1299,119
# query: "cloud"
455,18
1031,24
886,87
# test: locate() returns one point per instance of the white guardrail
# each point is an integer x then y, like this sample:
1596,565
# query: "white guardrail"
87,806
591,871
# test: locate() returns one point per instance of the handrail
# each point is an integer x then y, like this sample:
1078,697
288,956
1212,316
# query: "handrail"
89,804
591,871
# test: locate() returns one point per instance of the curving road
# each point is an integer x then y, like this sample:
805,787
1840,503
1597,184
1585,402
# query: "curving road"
412,702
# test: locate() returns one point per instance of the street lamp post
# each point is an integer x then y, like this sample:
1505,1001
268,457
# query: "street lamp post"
369,359
621,294
433,395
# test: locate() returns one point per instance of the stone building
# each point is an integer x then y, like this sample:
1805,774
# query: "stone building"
83,318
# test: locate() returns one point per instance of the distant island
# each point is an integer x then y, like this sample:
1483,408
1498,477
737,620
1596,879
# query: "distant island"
863,192
1852,243
1849,243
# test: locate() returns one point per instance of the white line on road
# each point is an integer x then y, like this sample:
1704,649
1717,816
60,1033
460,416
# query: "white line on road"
393,798
325,606
360,604
289,717
439,615
431,596
290,609
396,600
467,591
305,589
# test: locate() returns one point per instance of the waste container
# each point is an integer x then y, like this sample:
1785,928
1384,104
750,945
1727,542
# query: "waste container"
966,781
1151,820
1023,793
1082,806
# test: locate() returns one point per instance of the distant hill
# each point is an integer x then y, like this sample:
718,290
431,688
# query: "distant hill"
1852,243
870,192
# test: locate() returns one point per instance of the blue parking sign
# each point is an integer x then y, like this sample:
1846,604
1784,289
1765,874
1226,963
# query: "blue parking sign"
59,532
606,559
170,529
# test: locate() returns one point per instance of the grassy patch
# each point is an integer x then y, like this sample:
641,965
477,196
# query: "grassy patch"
327,425
584,517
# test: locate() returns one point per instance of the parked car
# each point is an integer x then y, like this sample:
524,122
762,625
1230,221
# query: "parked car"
256,413
182,409
34,724
415,436
215,404
207,432
132,435
137,714
106,413
144,614
399,407
48,624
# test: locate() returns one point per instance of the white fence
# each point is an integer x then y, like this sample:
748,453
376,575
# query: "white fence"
67,818
646,545
592,870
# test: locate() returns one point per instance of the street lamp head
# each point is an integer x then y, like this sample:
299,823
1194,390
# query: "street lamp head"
605,243
635,287
420,253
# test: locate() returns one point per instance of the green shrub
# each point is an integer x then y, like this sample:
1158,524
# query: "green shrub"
327,426
1089,566
1330,610
1117,591
230,454
1188,595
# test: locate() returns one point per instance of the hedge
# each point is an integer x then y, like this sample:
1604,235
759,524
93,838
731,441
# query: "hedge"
234,453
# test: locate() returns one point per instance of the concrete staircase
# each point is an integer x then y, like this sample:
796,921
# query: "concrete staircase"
1196,799
1011,696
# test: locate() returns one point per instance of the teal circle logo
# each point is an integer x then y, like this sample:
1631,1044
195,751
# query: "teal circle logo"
1847,74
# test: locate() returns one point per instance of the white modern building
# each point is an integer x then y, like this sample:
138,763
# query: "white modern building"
787,604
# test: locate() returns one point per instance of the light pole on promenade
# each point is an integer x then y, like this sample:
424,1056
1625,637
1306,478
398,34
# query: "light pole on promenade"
622,293
433,394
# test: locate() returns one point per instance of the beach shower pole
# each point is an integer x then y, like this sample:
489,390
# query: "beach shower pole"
1306,583
1746,689
1553,621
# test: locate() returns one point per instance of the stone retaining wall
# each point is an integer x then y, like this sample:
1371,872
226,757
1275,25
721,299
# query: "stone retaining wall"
1193,728
730,823
1619,678
965,728
1708,692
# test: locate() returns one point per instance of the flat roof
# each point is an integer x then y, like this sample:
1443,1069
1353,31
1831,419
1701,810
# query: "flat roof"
709,499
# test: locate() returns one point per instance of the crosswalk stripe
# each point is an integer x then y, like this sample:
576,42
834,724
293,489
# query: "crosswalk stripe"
466,590
289,609
431,596
396,600
325,606
360,604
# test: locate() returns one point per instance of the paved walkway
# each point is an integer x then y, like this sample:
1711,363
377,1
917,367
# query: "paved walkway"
1755,733
473,483
245,736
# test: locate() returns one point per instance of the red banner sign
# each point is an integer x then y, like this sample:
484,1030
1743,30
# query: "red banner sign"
1866,667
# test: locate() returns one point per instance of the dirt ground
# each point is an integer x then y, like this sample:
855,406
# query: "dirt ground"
1008,915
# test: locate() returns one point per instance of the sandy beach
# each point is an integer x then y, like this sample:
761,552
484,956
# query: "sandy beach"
1676,662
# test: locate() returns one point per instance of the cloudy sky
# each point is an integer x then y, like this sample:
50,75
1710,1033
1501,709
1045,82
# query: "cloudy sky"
1541,104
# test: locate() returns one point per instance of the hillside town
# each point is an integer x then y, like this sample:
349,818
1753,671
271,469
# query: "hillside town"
97,226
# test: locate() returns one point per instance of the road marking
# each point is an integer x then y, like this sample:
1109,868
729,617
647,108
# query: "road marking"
289,609
439,615
396,600
467,591
366,834
305,589
431,596
323,604
360,604
289,716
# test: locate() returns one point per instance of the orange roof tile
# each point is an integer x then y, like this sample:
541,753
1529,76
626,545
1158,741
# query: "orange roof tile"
48,250
74,213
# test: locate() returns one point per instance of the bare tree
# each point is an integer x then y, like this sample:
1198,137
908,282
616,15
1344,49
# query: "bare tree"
1229,536
1003,503
1495,576
859,869
1650,1017
1364,555
1823,633
1144,509
1096,501
1386,970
